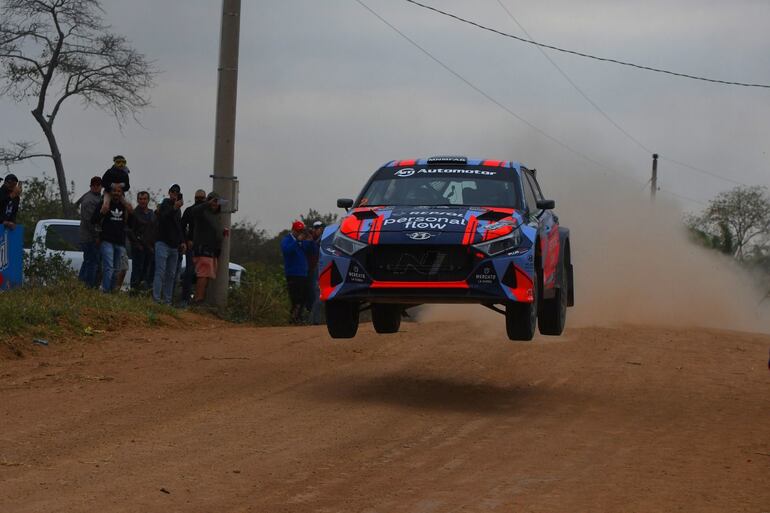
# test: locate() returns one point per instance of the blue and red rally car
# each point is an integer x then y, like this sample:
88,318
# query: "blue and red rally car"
448,230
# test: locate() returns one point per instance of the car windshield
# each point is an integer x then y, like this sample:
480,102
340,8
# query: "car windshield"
435,191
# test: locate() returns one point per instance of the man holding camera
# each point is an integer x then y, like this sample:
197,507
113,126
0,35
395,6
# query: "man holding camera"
169,243
10,192
296,246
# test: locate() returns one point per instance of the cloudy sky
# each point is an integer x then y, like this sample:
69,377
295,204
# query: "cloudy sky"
328,92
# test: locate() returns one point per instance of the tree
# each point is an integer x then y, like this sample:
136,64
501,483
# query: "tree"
53,50
41,201
736,221
313,216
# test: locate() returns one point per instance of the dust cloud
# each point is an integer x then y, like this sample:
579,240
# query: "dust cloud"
634,264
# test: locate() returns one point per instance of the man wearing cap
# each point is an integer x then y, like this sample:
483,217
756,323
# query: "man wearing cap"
169,243
89,203
295,248
10,192
118,173
313,303
207,242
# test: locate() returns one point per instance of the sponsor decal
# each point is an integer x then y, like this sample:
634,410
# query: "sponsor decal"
419,235
408,171
427,220
356,274
487,275
498,225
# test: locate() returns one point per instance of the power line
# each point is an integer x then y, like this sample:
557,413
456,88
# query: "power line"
580,54
489,97
575,86
603,113
703,171
504,107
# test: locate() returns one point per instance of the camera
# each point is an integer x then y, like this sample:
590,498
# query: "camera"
180,197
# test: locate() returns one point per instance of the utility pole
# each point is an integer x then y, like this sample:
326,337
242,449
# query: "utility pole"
224,139
654,179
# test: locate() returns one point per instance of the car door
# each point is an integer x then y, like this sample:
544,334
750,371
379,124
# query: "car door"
64,238
548,230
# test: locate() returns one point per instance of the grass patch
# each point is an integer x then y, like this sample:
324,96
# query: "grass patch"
70,309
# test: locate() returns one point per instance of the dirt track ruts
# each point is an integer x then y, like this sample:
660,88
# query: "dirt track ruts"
437,418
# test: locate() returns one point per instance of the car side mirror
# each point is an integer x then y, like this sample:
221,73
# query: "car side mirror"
344,203
546,204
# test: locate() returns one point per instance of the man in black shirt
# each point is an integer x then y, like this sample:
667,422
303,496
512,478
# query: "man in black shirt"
142,236
113,218
188,227
10,191
169,243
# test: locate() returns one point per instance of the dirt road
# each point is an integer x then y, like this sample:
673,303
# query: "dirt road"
437,418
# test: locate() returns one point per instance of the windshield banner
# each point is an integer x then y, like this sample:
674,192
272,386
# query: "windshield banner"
11,253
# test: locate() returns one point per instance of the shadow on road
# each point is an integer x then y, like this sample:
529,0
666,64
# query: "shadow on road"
439,393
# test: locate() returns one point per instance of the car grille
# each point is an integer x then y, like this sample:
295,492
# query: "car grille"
419,263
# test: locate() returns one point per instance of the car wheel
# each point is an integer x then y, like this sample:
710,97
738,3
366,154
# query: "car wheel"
386,318
521,319
342,318
553,312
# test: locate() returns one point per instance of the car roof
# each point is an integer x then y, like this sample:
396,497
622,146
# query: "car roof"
468,162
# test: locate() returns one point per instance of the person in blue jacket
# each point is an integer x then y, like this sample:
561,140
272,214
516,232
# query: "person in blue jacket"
296,246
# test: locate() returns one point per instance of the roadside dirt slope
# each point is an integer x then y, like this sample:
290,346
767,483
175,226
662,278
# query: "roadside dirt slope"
438,418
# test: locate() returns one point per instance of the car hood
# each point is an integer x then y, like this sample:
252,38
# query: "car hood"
431,225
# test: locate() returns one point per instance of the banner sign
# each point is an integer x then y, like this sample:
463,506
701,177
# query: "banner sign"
11,253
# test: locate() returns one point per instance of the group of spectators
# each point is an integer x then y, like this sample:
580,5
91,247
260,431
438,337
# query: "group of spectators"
300,249
111,227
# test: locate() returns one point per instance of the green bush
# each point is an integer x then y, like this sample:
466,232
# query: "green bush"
43,268
262,297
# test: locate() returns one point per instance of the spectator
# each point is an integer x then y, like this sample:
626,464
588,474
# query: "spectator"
142,236
10,192
118,173
188,227
207,242
169,243
295,248
313,304
113,218
90,203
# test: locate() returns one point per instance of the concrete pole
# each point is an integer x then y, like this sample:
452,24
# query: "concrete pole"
654,179
224,137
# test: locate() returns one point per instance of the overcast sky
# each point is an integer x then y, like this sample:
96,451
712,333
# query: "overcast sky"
327,93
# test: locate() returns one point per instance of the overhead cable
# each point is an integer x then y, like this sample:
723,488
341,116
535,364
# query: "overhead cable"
581,54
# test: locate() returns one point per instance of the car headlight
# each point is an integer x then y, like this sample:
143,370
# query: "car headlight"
501,244
346,244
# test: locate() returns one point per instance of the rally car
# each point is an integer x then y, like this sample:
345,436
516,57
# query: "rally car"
447,230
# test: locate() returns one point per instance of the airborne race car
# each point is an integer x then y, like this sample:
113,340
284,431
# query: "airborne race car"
447,230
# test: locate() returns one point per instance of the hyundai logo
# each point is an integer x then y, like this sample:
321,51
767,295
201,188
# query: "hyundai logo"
403,173
419,235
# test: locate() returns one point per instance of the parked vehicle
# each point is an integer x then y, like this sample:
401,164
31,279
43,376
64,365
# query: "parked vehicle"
63,235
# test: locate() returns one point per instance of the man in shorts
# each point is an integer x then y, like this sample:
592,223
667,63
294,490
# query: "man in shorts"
207,242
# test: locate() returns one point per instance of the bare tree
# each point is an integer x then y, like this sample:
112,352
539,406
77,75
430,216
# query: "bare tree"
52,50
736,220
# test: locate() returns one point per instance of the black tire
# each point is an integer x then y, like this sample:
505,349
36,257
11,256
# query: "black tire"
342,318
521,319
386,318
553,312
